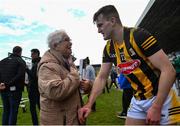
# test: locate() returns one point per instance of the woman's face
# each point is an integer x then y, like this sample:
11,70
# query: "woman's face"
65,47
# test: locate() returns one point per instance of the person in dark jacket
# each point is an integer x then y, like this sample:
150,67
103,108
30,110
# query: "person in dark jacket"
12,76
113,75
34,97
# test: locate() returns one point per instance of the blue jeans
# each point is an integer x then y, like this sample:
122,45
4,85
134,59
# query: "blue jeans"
11,101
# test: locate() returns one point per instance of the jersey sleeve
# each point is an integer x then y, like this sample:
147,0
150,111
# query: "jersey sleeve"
146,42
106,55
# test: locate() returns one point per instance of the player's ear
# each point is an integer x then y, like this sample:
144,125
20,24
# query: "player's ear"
113,20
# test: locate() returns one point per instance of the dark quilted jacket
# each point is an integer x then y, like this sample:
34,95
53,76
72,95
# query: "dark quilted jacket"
12,72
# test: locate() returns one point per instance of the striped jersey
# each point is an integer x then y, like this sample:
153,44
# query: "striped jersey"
131,58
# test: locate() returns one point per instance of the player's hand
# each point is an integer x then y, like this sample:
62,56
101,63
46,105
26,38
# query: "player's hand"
83,113
153,115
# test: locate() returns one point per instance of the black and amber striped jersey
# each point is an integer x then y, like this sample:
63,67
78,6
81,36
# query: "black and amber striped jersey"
131,58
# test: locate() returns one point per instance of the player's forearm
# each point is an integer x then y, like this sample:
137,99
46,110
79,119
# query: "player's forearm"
97,88
165,83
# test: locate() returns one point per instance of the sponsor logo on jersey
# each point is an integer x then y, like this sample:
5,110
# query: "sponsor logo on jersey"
129,67
112,55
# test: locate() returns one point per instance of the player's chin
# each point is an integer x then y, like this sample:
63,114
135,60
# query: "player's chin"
106,37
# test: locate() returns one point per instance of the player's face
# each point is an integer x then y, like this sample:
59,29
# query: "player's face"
104,27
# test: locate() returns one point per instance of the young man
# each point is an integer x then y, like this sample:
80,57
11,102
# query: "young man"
33,93
137,54
12,76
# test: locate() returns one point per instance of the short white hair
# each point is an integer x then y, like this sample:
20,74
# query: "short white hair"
55,38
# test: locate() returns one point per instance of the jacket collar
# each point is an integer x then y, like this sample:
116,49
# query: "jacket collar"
58,56
36,60
14,55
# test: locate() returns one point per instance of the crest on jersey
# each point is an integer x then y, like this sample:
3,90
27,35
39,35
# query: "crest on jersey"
132,52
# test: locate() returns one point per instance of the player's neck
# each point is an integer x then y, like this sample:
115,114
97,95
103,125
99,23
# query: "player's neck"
118,34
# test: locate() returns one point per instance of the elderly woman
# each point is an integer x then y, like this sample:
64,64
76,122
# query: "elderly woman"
59,83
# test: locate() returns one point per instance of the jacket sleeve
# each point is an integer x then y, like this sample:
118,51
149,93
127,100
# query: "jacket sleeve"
51,84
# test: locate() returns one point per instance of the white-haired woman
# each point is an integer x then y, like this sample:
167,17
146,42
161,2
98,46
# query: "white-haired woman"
59,82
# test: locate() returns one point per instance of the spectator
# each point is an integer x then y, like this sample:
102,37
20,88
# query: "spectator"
12,79
126,96
137,54
59,82
33,93
113,75
176,63
89,75
106,87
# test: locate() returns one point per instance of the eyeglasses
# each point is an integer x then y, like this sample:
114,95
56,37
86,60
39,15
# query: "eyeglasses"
67,39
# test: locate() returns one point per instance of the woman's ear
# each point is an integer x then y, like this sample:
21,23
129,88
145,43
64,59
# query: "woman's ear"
55,45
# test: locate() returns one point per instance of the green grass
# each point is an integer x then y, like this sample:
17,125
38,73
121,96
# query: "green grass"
107,105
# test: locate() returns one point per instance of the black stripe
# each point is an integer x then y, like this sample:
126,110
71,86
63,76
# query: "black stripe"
132,76
174,113
143,66
174,108
139,84
112,51
64,120
105,53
